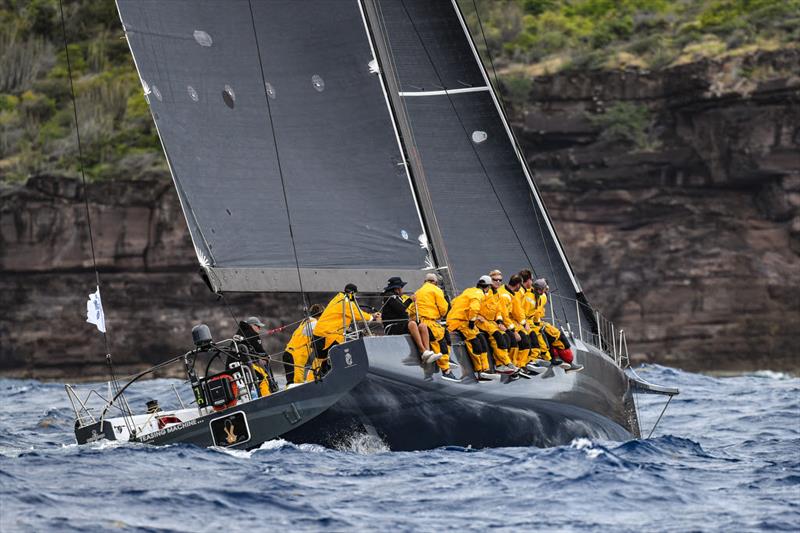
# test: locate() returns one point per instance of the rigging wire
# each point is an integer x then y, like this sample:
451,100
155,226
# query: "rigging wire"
519,148
109,362
278,161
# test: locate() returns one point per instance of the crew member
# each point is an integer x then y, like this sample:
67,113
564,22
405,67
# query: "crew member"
537,299
515,313
431,306
494,328
463,317
396,320
250,331
298,349
334,321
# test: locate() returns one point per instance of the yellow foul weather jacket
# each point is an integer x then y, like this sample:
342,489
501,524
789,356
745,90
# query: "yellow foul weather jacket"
491,310
540,308
336,318
465,308
431,303
431,306
513,315
521,306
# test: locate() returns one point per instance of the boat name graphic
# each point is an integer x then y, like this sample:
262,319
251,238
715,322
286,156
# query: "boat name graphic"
96,436
167,430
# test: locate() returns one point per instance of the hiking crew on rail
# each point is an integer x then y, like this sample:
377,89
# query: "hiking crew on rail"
508,318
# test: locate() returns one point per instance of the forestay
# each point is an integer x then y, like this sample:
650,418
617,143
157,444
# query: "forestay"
269,114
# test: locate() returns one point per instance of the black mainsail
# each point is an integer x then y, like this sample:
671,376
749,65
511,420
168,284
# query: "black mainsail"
271,112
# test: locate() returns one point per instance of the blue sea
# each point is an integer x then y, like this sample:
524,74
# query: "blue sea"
726,457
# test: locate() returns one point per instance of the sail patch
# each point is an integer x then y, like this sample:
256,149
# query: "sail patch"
228,96
479,136
270,90
155,92
318,82
203,38
192,93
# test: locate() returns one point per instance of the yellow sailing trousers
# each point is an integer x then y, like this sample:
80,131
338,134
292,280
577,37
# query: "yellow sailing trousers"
474,344
300,358
438,344
497,340
523,352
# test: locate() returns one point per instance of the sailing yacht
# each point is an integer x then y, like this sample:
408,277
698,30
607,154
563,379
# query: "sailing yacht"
317,143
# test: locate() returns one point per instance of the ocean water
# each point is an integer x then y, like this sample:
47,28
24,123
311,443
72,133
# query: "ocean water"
726,457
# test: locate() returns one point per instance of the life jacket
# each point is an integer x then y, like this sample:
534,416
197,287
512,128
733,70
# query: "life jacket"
226,385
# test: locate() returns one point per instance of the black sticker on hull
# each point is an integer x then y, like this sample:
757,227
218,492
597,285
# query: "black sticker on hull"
230,430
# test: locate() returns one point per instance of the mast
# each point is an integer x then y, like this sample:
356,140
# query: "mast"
383,55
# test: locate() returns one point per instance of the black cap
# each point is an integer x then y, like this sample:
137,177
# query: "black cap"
394,282
351,288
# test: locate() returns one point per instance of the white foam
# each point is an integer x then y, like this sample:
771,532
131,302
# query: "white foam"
587,445
363,444
581,443
771,374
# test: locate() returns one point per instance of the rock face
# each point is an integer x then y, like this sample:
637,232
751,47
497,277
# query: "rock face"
686,234
151,292
689,239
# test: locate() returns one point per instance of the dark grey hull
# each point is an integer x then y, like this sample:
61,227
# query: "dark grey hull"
250,424
412,408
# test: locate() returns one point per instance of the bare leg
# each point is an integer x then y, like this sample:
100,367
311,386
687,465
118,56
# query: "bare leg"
413,330
425,334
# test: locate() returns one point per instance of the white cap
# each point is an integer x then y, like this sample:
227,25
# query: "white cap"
485,280
431,276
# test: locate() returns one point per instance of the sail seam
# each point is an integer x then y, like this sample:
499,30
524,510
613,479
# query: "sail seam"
445,92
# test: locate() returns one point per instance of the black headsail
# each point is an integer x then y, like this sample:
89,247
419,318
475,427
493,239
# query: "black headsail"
270,112
488,211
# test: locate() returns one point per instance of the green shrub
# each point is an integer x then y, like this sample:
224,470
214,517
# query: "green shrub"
627,122
517,88
8,102
40,16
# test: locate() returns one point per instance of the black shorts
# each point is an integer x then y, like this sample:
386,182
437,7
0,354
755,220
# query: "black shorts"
398,328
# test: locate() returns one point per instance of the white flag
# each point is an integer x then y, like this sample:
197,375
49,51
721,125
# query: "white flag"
94,311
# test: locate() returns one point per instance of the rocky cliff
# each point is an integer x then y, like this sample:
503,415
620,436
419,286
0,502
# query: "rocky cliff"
676,194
